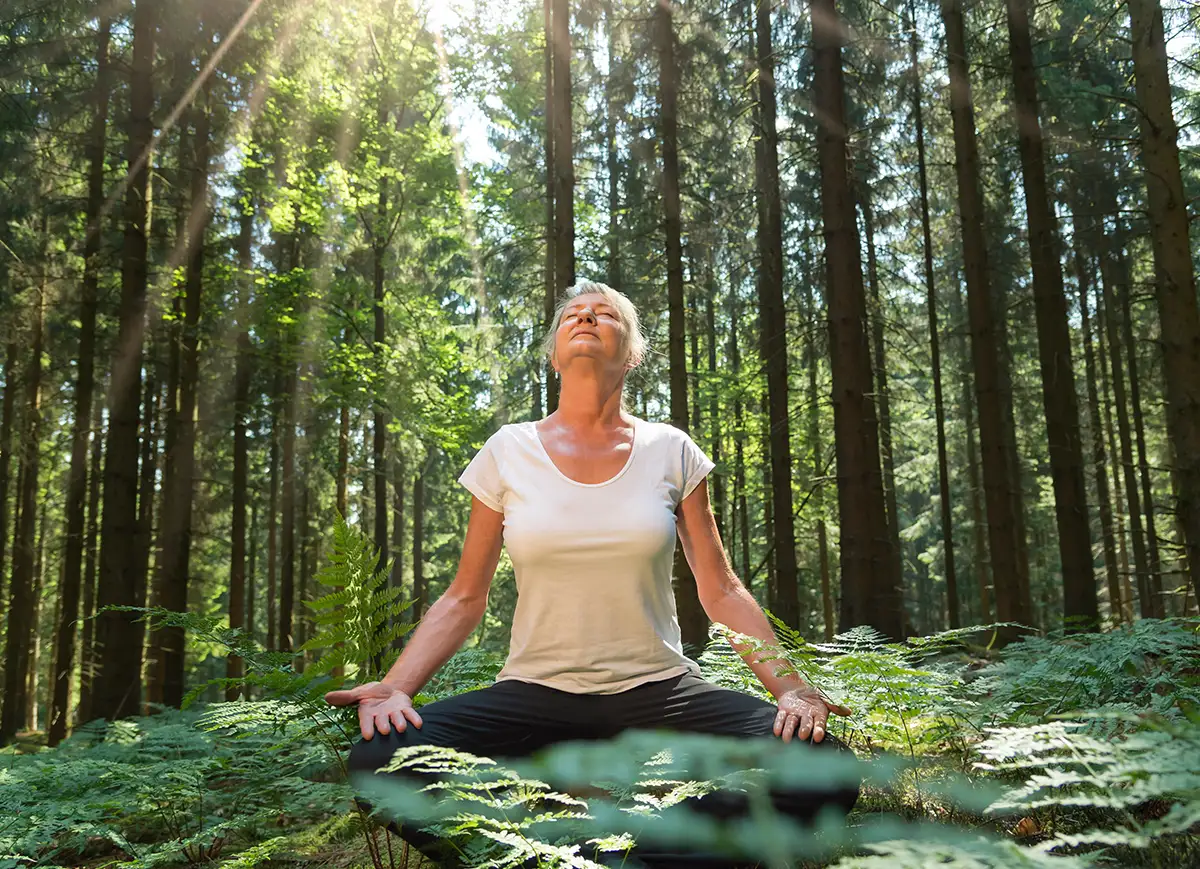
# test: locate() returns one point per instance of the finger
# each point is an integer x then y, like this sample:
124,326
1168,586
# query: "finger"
411,715
818,732
804,731
780,720
396,717
381,724
341,698
789,726
838,709
365,723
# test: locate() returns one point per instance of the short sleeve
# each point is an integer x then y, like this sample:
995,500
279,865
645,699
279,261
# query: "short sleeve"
483,478
696,464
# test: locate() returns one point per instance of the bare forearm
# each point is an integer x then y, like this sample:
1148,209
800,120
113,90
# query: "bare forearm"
737,609
442,631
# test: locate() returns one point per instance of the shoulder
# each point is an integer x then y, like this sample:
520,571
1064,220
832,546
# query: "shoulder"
663,434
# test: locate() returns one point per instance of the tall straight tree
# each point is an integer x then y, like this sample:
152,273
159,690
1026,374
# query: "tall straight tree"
1010,571
1080,606
935,350
118,681
241,413
613,265
6,423
177,499
772,317
870,584
549,277
693,623
20,637
84,387
1175,284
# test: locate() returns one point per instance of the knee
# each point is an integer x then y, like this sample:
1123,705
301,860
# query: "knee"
369,755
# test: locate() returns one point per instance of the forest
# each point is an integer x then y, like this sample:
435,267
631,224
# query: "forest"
917,276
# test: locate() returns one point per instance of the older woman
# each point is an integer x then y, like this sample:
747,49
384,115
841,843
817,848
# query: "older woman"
588,501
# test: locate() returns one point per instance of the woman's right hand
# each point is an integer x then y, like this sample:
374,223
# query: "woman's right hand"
380,707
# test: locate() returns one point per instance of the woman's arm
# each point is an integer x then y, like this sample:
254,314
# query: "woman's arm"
727,601
452,618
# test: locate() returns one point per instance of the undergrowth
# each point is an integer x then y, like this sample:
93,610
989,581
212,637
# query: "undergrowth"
1055,751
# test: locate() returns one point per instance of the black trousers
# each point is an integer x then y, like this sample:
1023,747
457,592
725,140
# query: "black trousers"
515,719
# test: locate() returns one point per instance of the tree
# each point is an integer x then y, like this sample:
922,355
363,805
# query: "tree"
1175,286
118,681
1080,609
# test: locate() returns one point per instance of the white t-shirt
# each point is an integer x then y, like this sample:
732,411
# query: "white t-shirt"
595,611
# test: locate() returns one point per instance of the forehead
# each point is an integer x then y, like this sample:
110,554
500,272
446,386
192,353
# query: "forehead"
590,300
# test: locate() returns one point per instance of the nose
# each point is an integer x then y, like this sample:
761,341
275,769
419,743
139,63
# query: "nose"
586,315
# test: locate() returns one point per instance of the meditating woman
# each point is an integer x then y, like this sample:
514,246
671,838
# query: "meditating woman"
588,501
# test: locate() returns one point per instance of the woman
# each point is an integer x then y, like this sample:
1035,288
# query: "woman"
588,501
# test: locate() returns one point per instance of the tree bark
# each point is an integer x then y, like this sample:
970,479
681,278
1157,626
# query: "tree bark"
870,586
238,615
343,461
564,166
1083,277
939,404
273,505
1114,447
1153,563
693,622
1010,571
87,656
1148,604
22,600
785,600
152,433
118,639
6,424
287,535
611,164
84,388
418,556
879,358
1176,284
549,277
1080,606
178,486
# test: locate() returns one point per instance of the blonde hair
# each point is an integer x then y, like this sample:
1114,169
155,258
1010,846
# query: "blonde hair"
635,339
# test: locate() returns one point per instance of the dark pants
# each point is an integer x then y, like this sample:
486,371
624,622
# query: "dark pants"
515,719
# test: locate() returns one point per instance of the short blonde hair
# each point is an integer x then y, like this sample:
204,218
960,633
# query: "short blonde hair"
635,339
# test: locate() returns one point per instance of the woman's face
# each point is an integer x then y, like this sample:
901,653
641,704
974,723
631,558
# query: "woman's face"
590,327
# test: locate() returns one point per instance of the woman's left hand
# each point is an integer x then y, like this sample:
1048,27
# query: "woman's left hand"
804,712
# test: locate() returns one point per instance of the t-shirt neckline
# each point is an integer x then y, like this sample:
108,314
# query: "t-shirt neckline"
629,461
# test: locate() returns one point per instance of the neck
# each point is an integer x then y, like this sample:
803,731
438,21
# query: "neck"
590,399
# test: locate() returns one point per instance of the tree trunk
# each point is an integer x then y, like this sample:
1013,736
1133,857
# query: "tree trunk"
380,237
273,506
879,358
818,471
32,679
785,601
418,556
287,541
87,655
1080,607
1099,459
1153,564
343,461
939,405
979,546
1010,571
6,423
399,472
118,639
1176,283
147,473
715,433
611,164
252,576
742,518
84,387
178,480
564,166
549,277
1114,447
870,586
1148,604
693,622
22,598
238,615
